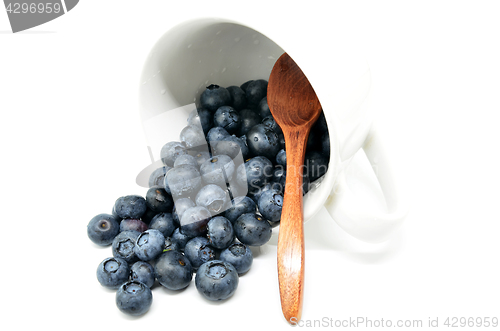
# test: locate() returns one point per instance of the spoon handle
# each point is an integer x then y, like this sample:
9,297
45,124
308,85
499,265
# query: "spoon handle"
291,231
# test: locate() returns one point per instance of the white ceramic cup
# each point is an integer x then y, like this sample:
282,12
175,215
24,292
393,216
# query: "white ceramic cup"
199,52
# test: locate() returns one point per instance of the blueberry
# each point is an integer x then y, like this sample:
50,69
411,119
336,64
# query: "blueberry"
245,85
249,118
157,177
103,228
198,251
231,146
316,165
270,205
112,272
228,118
255,173
202,118
263,141
216,280
184,181
123,245
271,124
187,159
263,108
181,205
255,194
213,198
148,216
281,158
164,223
134,298
238,97
170,151
239,206
278,181
173,270
239,255
143,272
253,230
217,133
217,170
201,157
214,97
220,232
130,206
255,91
193,137
158,200
149,244
179,239
194,221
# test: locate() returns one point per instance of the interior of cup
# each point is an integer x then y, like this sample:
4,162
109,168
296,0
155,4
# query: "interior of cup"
194,55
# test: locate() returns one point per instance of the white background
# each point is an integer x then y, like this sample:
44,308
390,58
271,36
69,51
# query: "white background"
72,142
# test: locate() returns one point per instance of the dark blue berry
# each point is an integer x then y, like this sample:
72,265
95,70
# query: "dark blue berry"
164,223
220,232
244,85
231,146
214,97
199,251
173,270
149,245
217,133
239,255
249,118
133,224
179,239
238,97
158,200
130,206
271,124
263,141
263,108
216,280
212,197
255,91
202,118
123,245
270,205
228,118
112,272
102,229
134,298
157,177
255,173
194,221
281,158
253,230
184,181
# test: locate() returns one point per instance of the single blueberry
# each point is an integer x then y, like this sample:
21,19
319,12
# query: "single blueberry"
253,230
217,170
216,280
158,200
164,223
263,108
130,206
239,206
112,272
157,177
220,232
228,118
212,197
170,151
270,205
134,298
179,239
249,118
198,251
217,133
245,85
281,158
263,141
255,173
173,270
143,272
239,255
149,244
184,181
194,221
255,91
214,97
180,206
133,224
238,97
231,146
123,245
102,229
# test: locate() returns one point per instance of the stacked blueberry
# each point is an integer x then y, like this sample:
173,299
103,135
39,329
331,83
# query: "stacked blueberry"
219,192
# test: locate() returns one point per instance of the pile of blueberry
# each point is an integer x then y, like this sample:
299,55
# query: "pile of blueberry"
219,192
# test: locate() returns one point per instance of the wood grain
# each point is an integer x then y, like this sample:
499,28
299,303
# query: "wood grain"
295,107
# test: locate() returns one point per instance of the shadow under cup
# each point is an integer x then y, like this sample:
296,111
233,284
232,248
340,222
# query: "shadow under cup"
190,57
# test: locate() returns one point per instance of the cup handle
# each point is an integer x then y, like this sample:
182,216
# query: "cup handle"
349,214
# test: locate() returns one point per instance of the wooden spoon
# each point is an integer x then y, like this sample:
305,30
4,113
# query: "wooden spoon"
295,107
